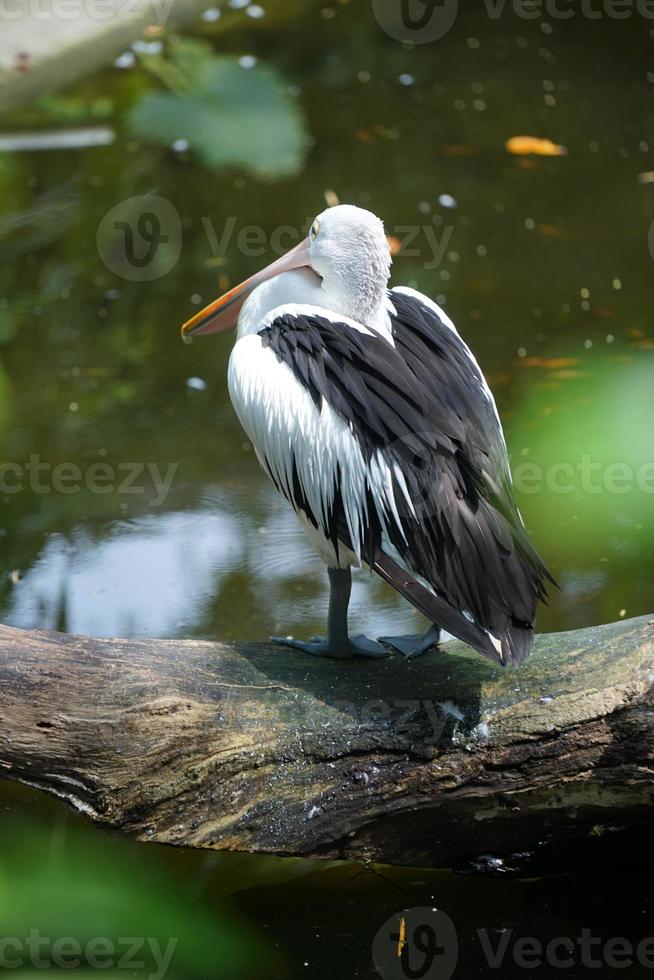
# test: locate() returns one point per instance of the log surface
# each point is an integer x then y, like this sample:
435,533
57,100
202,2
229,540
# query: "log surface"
434,761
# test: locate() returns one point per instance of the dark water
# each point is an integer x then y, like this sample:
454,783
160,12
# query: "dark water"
545,264
228,916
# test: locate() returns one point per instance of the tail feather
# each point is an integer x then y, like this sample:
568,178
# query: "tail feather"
514,648
517,643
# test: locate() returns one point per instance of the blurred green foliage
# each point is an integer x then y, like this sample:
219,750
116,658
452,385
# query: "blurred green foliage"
230,116
588,469
68,881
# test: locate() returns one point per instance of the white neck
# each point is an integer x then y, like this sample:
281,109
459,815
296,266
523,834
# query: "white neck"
301,286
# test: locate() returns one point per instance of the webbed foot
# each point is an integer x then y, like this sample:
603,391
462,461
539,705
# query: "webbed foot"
318,646
413,644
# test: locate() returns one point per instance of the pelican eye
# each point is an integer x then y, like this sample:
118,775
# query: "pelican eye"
315,228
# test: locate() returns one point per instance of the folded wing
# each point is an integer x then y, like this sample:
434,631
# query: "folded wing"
419,486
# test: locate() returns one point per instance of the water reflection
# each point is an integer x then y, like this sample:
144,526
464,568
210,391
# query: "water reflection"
171,575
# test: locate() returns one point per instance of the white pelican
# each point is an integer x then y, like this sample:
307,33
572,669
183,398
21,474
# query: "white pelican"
371,416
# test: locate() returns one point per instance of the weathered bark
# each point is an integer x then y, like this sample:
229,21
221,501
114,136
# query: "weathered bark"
249,747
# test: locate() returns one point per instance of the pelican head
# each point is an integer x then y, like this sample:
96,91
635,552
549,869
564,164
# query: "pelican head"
346,263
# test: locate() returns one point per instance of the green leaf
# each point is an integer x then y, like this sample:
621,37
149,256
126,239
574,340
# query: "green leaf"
230,116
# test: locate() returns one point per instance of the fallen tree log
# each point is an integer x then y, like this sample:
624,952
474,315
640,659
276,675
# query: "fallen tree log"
244,746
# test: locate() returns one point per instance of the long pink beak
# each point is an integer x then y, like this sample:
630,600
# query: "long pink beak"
223,312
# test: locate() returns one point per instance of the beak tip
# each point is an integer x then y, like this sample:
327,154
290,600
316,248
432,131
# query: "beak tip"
187,330
224,312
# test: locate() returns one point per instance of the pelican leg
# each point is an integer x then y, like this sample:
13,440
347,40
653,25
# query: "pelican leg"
413,644
338,643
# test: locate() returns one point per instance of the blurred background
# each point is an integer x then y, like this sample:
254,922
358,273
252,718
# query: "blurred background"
149,162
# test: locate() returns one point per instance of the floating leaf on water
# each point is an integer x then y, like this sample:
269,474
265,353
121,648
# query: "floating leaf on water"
568,375
522,145
457,150
550,363
229,116
495,378
385,132
394,244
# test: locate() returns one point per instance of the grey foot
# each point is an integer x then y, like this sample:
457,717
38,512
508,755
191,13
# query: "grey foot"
413,644
317,646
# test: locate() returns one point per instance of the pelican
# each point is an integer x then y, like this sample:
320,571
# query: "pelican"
371,416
